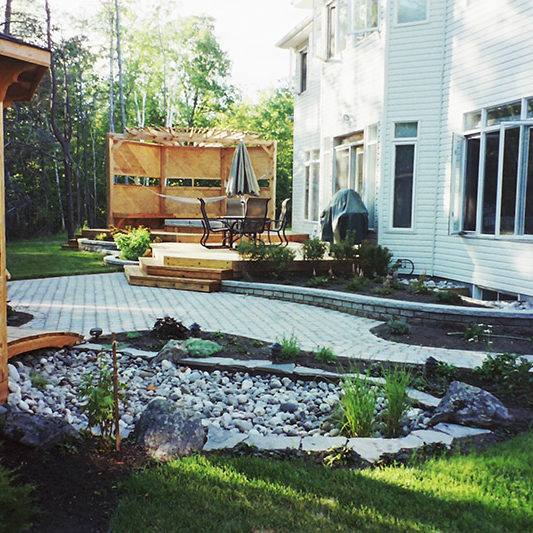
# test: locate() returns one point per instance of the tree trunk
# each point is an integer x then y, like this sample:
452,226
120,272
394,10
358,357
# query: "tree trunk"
7,18
119,61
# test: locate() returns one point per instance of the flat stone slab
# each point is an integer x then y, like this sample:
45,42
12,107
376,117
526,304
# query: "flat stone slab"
322,444
461,433
423,398
286,368
134,352
430,436
372,449
274,442
88,346
221,439
314,372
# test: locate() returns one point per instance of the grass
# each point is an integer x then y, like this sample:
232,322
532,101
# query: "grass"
396,382
43,258
488,491
357,406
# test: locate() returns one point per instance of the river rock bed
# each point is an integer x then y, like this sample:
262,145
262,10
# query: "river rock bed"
47,384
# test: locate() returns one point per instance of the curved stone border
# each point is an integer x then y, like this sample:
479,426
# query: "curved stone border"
97,247
383,308
115,261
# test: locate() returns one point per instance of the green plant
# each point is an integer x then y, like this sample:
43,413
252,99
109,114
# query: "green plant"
313,250
169,328
344,250
478,333
257,343
133,335
509,374
357,406
447,297
274,260
201,348
325,355
374,260
357,284
318,281
38,380
398,327
396,383
134,243
16,505
218,335
96,390
101,236
386,288
419,286
289,348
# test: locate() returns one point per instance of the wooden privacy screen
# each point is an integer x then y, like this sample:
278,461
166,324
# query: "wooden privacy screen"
139,171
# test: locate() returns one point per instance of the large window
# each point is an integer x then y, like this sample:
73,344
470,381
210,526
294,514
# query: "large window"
492,172
364,15
409,11
405,140
312,185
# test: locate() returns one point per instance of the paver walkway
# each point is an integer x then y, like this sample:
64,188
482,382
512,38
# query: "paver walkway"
78,303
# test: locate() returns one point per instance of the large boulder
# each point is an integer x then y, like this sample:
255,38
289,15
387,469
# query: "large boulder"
471,406
166,428
36,431
171,351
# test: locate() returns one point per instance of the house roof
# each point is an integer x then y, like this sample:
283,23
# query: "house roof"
22,67
297,36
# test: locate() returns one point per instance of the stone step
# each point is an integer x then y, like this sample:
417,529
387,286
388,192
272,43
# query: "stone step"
136,276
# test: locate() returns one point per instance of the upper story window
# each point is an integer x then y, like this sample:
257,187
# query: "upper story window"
364,15
332,21
302,71
492,172
410,11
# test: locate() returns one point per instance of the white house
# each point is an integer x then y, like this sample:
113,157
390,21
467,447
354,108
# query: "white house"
425,107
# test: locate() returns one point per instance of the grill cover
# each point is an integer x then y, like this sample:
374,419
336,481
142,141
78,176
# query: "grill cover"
346,212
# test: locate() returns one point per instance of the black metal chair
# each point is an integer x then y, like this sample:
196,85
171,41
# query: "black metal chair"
255,218
234,206
208,228
280,224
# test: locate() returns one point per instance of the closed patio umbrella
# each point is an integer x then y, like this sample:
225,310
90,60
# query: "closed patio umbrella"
242,178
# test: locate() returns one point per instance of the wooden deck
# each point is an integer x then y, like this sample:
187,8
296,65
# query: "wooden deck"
22,340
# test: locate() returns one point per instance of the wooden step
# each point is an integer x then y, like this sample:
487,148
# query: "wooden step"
195,262
155,267
172,236
136,276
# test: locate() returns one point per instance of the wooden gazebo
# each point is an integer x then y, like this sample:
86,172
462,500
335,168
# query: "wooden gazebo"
22,67
147,164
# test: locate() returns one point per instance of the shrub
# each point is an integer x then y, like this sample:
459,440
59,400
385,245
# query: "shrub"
101,236
419,286
357,406
289,348
344,250
169,328
374,260
96,389
313,250
396,383
478,333
447,297
134,243
275,260
325,355
16,506
201,348
398,327
509,374
386,288
318,281
357,284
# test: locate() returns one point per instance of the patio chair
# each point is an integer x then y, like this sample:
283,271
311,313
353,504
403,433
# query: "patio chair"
208,228
255,218
280,224
234,207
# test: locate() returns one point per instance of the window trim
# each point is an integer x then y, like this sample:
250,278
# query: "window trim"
414,22
309,163
302,83
352,30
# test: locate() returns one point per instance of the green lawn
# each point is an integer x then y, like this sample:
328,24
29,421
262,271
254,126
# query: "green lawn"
43,257
490,492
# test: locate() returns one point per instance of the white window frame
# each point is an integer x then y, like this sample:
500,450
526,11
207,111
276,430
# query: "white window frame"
310,164
370,181
300,89
404,141
331,22
351,12
414,22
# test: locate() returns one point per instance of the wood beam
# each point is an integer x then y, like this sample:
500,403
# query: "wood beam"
3,282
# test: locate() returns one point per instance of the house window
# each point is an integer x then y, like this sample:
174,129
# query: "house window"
312,185
409,11
331,49
405,140
302,71
364,15
493,172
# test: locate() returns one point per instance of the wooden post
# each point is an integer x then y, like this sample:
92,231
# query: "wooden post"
115,392
3,280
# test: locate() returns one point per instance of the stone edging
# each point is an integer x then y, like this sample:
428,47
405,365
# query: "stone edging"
115,261
382,308
97,247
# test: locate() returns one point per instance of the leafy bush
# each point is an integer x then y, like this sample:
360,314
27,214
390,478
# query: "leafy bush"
357,406
478,333
344,250
325,355
374,260
16,506
447,297
398,327
419,286
201,348
289,348
357,284
386,288
396,382
509,374
275,260
313,250
169,328
101,236
318,281
96,389
134,243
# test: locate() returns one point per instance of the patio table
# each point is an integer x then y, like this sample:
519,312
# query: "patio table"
232,222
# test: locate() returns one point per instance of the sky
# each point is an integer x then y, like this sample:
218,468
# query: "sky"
246,29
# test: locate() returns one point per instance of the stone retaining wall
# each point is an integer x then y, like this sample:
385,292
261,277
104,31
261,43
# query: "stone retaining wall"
383,308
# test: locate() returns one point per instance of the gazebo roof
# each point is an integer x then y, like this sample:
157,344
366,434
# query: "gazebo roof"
22,67
193,136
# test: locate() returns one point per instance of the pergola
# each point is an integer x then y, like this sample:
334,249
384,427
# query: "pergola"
22,67
147,164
